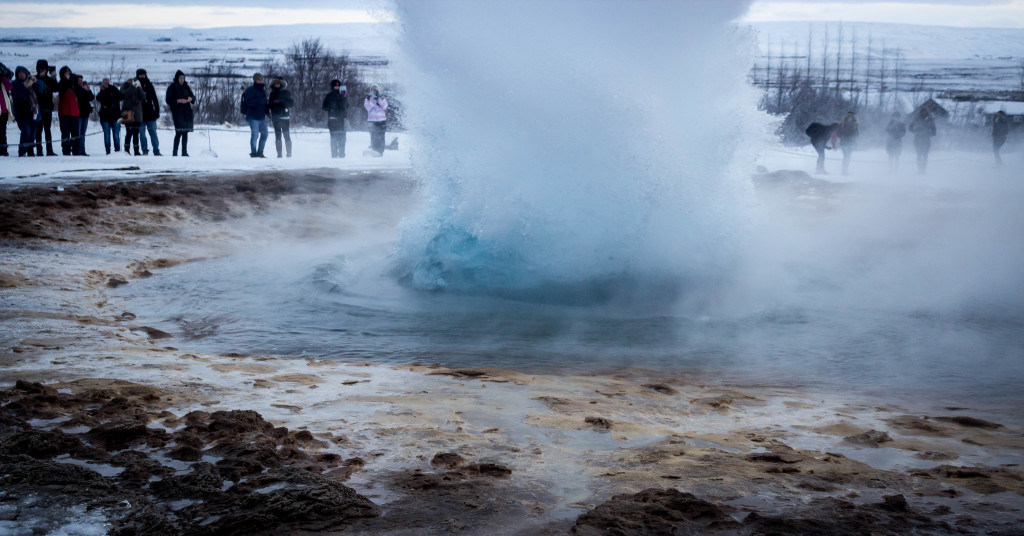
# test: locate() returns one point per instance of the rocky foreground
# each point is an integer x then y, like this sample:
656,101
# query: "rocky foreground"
107,427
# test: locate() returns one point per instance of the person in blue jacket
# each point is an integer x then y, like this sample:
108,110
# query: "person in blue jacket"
254,106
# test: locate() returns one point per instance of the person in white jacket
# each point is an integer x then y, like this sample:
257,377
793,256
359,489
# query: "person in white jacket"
376,106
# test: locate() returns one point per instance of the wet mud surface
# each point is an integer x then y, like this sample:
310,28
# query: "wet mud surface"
105,423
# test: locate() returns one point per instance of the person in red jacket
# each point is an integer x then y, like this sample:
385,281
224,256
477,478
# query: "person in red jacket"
68,112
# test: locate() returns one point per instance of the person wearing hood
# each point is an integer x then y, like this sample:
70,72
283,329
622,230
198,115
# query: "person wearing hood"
110,99
179,101
150,113
254,106
280,103
131,114
6,108
336,106
68,111
46,86
25,105
376,107
923,127
85,98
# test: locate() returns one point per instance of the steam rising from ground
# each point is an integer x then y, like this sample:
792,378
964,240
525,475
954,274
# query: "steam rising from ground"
574,147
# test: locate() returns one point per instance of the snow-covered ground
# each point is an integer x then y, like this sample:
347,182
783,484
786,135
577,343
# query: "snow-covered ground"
212,148
117,52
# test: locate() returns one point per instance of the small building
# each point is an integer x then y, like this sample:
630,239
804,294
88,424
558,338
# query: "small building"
934,108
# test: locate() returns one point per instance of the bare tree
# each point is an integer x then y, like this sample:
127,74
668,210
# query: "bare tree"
853,65
116,69
216,86
824,60
839,59
882,76
867,71
810,48
898,72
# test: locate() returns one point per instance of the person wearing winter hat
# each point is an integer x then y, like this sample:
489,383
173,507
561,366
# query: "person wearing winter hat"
26,107
179,101
150,113
254,106
68,111
110,99
6,109
376,106
47,86
131,114
280,103
336,106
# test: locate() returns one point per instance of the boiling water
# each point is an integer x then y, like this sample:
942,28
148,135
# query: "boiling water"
583,172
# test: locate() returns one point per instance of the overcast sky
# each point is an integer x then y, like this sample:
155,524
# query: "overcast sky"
217,13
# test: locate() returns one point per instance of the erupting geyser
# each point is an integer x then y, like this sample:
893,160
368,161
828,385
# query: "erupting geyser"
573,150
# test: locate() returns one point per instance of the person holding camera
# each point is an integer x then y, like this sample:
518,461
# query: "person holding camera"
85,98
45,88
131,114
376,108
179,100
336,106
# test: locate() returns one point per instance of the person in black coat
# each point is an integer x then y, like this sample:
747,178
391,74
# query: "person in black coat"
336,106
85,97
110,99
179,101
150,113
923,127
820,135
1000,129
47,86
280,103
26,108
